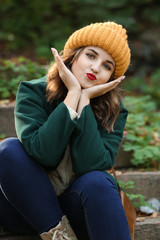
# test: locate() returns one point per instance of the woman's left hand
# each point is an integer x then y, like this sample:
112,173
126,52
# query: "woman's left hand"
101,89
96,91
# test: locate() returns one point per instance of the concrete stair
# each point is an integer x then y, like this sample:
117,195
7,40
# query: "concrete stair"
8,236
147,184
148,229
7,121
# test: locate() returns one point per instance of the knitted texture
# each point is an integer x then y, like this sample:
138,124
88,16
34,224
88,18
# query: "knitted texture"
110,36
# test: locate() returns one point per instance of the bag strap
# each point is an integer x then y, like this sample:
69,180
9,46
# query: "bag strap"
114,173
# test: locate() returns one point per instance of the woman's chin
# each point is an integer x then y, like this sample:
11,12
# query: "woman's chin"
84,86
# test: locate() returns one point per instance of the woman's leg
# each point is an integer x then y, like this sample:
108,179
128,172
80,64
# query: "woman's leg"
26,192
11,219
94,200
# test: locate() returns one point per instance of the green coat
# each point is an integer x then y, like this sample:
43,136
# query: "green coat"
45,129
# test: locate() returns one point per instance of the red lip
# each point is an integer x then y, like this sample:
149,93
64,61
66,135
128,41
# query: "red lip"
91,76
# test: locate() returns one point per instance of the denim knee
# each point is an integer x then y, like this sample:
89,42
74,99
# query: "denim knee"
8,147
9,160
94,183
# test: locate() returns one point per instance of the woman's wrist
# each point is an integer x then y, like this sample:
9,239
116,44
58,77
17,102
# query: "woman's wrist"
72,99
84,101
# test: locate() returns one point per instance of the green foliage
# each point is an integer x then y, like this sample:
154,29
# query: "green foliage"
2,135
13,71
49,24
148,14
143,131
126,185
136,199
147,85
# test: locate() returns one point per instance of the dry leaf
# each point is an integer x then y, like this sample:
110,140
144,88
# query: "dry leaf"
153,215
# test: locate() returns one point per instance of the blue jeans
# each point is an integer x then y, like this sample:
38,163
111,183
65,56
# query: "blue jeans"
28,203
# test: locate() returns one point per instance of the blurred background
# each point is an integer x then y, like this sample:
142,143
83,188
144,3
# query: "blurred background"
28,29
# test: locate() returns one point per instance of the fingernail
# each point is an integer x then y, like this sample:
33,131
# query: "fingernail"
53,51
123,77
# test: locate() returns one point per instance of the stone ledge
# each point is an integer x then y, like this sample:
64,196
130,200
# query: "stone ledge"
19,237
145,183
7,121
148,229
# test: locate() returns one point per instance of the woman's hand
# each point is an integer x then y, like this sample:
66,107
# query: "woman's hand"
65,74
96,91
101,89
70,81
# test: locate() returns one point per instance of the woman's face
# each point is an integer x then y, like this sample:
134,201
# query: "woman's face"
94,66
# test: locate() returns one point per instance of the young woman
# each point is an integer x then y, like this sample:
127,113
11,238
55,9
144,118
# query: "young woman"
69,126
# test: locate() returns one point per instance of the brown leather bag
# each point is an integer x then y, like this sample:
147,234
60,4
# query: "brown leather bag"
128,208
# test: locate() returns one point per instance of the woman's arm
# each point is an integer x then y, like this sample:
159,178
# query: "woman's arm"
44,136
92,147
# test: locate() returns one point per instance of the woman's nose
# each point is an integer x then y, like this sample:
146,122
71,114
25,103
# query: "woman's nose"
95,67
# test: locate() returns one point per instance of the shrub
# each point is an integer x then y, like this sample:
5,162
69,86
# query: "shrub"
146,85
51,23
143,131
136,199
13,71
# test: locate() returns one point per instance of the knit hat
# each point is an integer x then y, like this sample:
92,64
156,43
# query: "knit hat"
110,36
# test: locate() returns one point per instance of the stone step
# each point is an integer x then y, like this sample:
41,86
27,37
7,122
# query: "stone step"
19,237
148,229
7,121
145,183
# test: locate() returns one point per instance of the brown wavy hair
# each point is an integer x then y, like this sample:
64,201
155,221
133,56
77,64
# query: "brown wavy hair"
105,108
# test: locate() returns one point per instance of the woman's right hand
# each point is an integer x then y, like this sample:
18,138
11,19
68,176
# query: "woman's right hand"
70,81
65,74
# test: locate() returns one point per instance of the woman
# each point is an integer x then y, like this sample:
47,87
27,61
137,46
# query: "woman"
69,125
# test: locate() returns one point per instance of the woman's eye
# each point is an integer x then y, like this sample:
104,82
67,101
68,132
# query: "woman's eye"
90,55
107,66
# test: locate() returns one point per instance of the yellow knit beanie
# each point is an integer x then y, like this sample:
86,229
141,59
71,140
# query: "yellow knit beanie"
110,36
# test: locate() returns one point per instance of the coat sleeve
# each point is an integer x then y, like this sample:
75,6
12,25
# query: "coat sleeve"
92,147
44,136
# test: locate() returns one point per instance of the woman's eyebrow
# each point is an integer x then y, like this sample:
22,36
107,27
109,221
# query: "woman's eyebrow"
93,51
108,61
